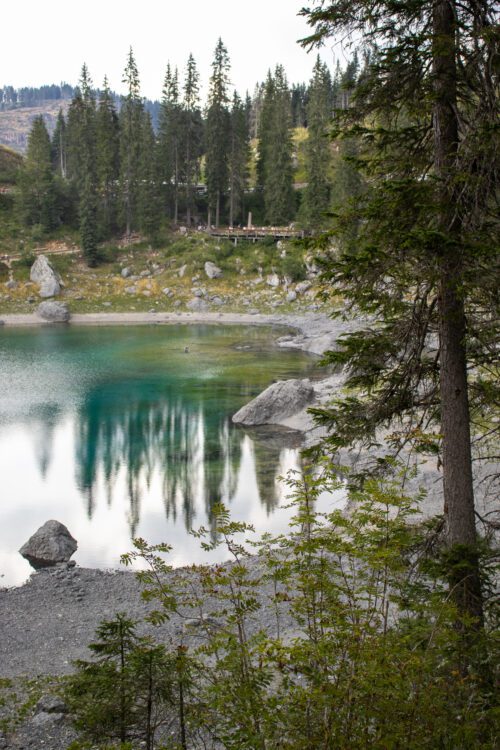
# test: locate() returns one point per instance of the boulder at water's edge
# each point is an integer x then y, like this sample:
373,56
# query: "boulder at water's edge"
50,545
278,402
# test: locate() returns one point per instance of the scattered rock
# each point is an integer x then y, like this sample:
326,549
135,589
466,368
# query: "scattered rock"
51,704
217,300
11,284
199,292
197,305
281,400
291,296
273,280
54,312
131,289
182,270
144,274
106,304
126,272
302,287
212,271
43,274
50,545
167,291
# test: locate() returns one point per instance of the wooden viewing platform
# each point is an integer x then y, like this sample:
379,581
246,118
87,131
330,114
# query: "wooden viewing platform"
254,234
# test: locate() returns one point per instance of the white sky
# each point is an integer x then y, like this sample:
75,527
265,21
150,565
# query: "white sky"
47,42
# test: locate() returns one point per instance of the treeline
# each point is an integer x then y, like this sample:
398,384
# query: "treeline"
108,171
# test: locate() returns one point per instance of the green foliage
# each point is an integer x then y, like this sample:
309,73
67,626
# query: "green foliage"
363,651
37,199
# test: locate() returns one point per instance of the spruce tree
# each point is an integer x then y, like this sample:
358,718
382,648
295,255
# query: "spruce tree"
107,161
149,207
59,146
131,115
274,166
318,149
238,157
37,189
170,142
427,110
86,180
217,131
193,134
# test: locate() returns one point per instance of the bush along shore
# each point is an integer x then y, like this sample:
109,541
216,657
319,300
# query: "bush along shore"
340,633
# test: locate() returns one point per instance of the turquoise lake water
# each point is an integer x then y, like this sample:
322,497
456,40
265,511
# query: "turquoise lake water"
119,432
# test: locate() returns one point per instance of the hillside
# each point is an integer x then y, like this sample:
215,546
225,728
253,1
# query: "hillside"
10,161
15,124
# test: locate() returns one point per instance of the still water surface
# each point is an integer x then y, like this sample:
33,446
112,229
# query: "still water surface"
119,432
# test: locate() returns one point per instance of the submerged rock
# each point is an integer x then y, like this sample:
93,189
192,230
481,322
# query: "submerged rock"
50,545
43,274
54,312
281,400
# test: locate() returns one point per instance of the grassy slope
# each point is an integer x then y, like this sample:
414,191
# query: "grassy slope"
103,288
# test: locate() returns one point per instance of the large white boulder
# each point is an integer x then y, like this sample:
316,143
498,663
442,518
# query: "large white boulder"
43,274
278,402
53,312
212,271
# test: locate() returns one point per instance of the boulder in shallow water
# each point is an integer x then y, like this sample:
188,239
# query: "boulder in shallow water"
43,274
53,312
278,402
50,545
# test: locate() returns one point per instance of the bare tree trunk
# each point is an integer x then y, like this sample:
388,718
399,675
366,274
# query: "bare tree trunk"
455,418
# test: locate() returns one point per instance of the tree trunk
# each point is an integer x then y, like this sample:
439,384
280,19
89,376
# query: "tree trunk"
455,419
217,210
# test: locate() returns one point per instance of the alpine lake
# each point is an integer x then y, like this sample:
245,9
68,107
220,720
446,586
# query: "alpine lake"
125,431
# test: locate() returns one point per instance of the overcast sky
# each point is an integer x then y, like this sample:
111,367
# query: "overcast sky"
47,42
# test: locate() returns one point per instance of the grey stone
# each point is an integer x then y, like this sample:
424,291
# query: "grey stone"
51,704
197,305
182,270
273,280
131,289
199,292
212,271
302,287
50,545
167,291
145,274
42,273
125,272
11,284
54,312
291,296
217,300
279,401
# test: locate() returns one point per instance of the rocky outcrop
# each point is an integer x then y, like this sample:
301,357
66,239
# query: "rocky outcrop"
50,545
43,274
212,271
281,400
53,312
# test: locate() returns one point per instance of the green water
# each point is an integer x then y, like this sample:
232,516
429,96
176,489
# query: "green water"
126,431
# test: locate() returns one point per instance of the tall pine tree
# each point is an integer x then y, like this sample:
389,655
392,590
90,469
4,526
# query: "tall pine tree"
193,135
37,190
274,166
318,149
217,131
131,118
107,161
238,158
170,142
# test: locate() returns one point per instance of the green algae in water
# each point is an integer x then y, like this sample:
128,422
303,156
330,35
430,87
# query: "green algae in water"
126,431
